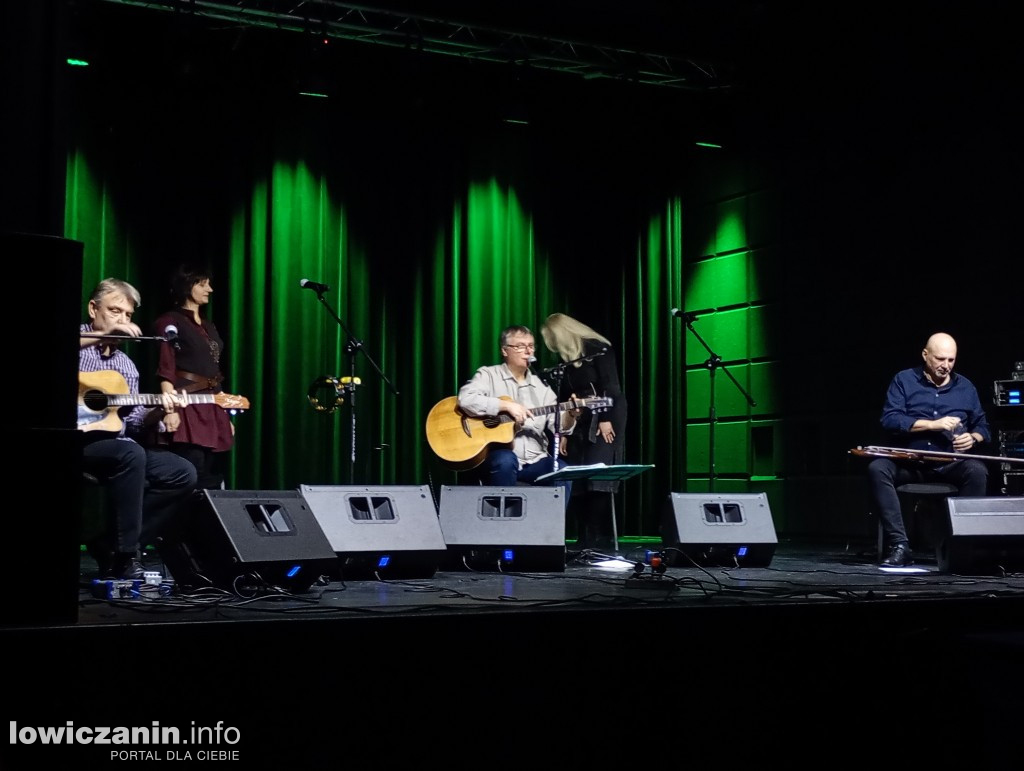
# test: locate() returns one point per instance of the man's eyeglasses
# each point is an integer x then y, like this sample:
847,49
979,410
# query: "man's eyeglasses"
522,347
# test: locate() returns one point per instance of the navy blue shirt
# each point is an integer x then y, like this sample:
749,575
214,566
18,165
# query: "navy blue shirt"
912,397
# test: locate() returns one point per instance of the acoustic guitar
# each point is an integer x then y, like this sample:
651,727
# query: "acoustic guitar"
101,394
937,456
463,441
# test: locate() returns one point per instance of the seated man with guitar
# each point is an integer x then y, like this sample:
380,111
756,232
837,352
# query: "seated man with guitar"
928,408
511,390
145,486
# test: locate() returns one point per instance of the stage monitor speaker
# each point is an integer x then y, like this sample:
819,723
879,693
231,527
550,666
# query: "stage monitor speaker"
985,536
250,538
503,529
722,530
379,532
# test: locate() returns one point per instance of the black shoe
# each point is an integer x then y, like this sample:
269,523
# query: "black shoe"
899,556
128,567
103,556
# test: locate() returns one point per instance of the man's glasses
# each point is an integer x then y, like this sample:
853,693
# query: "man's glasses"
522,347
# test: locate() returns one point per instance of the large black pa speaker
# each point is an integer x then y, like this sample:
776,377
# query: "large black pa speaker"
47,431
985,536
250,538
503,529
712,529
379,532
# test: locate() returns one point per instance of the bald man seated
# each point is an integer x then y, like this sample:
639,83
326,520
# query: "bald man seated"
927,407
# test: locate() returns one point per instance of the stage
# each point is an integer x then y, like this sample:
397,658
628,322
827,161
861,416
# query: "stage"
800,575
819,648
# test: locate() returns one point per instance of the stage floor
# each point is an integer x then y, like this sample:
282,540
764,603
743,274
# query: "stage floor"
818,654
799,573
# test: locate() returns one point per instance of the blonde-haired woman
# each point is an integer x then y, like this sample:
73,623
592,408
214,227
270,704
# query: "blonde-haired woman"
598,437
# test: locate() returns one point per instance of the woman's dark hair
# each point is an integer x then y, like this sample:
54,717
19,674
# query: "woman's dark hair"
185,277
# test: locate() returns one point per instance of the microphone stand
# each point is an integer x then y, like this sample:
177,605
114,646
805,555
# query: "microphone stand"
353,347
556,373
713,363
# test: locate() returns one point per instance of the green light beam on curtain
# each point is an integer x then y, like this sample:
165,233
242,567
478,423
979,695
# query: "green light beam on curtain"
500,270
281,339
90,217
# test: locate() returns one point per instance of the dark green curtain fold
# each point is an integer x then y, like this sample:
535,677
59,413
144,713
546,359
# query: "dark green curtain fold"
652,362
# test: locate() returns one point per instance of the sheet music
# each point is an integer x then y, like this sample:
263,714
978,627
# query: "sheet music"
597,471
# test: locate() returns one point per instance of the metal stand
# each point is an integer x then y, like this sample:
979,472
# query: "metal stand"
349,384
556,374
598,473
713,364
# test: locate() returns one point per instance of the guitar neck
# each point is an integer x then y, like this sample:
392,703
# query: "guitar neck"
545,410
153,400
549,408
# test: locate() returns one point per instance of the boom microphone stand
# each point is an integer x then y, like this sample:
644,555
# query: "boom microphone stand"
556,374
352,348
713,364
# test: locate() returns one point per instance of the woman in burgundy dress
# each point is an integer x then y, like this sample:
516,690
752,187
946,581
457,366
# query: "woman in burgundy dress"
190,361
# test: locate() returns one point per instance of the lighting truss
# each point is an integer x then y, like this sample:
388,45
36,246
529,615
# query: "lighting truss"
432,34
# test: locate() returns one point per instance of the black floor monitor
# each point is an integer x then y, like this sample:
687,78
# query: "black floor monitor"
250,538
710,529
379,531
503,529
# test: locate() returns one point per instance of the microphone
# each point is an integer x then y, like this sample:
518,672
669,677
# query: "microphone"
318,288
543,374
171,335
687,317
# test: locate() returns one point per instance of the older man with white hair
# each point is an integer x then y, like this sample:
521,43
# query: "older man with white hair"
146,485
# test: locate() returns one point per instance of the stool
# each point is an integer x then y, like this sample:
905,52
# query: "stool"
913,497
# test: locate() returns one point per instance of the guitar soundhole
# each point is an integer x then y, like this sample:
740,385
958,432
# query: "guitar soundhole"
492,421
95,400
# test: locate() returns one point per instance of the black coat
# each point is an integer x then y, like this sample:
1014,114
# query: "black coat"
597,377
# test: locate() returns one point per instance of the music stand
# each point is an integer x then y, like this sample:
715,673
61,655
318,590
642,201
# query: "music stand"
598,472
